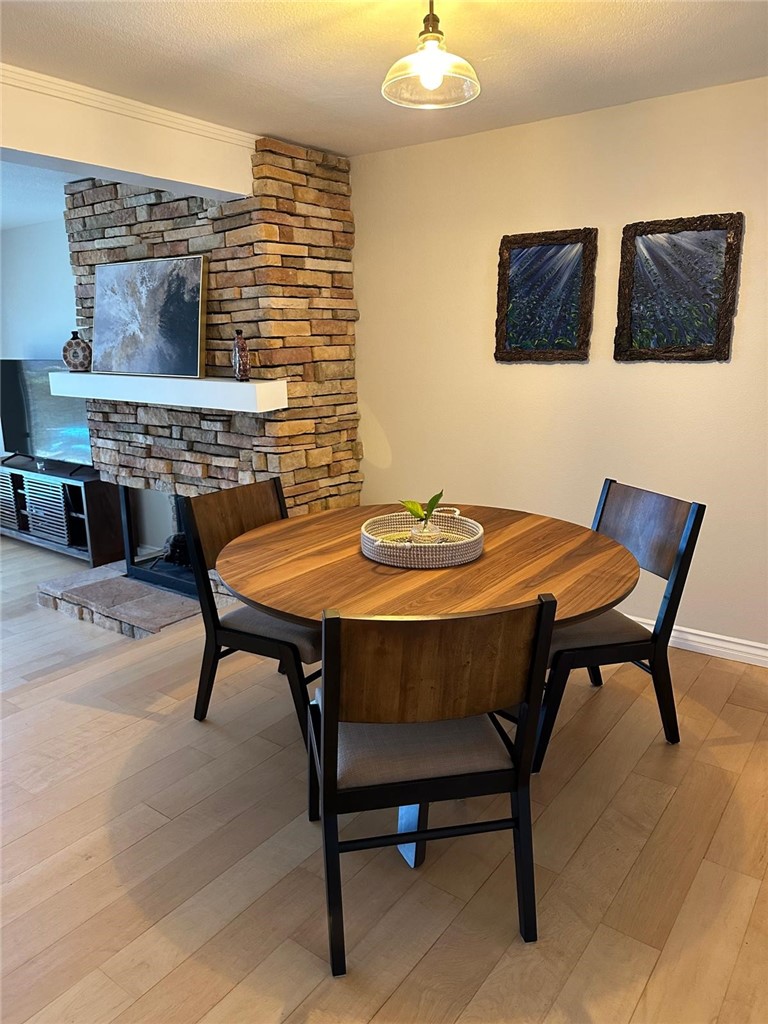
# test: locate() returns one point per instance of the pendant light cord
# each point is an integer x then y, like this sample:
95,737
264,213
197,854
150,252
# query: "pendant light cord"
431,22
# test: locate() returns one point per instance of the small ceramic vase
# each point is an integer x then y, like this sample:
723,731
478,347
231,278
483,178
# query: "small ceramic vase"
77,353
241,357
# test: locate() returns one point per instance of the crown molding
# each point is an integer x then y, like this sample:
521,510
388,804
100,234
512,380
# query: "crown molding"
59,88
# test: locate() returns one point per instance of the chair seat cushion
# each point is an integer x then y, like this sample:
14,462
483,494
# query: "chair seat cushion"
372,755
611,627
248,620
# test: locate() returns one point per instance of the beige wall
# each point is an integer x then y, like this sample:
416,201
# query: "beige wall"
439,412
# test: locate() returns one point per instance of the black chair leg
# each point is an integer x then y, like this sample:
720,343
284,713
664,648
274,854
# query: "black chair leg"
292,665
595,676
662,684
313,800
524,871
211,656
332,862
553,695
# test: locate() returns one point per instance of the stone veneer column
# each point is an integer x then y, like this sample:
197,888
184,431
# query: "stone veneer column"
280,270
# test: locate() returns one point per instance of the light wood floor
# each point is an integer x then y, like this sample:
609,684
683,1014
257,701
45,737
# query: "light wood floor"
161,870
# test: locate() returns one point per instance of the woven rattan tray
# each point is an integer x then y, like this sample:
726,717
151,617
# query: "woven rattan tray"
387,539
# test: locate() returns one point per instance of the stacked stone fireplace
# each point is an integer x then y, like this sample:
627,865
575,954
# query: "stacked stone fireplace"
279,269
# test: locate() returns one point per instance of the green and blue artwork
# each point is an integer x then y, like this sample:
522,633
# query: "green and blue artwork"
677,288
546,290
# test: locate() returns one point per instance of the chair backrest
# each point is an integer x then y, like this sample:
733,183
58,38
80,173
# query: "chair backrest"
397,670
220,516
212,520
661,532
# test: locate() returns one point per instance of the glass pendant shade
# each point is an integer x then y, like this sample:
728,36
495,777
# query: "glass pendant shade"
431,78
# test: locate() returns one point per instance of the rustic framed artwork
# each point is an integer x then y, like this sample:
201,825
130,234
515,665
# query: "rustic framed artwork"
545,296
149,317
677,288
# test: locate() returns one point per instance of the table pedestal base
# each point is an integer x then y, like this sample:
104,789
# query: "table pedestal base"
409,819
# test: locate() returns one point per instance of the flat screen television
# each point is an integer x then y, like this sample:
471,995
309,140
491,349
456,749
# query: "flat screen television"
34,421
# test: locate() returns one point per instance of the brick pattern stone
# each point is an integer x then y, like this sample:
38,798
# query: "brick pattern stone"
280,270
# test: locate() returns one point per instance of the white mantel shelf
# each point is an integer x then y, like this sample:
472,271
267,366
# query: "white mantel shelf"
184,392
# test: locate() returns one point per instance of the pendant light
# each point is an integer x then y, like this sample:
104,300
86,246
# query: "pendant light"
431,78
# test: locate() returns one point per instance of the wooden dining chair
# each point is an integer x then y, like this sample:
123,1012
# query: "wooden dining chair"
210,521
404,719
661,533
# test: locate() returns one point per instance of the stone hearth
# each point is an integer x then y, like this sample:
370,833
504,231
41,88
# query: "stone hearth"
108,598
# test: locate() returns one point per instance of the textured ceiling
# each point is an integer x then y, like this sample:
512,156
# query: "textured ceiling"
311,71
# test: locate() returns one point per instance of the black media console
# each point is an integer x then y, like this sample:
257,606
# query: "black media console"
61,507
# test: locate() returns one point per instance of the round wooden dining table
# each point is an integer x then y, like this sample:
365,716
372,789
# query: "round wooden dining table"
297,567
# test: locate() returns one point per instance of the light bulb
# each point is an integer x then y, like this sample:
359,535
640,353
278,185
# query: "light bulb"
431,65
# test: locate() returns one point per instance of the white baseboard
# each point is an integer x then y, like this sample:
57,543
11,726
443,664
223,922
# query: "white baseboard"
730,647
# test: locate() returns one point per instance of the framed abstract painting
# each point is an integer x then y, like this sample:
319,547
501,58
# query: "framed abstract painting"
677,288
545,296
149,317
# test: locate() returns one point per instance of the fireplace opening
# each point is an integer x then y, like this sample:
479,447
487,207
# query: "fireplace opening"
164,564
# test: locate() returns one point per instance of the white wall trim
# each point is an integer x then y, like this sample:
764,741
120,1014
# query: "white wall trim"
59,88
731,648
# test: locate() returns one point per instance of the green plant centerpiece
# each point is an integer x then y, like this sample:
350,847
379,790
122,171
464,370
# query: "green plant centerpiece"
425,531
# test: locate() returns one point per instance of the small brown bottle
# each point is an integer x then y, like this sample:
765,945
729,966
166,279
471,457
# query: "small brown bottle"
241,357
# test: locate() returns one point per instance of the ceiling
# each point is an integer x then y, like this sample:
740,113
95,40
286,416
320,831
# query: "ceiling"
311,70
30,195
